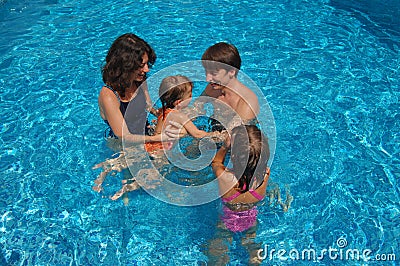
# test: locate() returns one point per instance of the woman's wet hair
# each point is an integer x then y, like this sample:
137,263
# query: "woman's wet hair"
173,88
222,56
124,57
249,154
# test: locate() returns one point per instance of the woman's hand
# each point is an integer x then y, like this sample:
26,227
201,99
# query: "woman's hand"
173,131
227,141
153,111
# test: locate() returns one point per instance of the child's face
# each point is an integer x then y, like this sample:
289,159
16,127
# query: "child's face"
218,78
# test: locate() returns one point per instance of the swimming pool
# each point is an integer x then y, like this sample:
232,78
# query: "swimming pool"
332,82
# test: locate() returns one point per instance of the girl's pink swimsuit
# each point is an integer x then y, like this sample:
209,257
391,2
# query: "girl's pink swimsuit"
239,221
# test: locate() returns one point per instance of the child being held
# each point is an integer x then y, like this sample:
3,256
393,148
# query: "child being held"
175,94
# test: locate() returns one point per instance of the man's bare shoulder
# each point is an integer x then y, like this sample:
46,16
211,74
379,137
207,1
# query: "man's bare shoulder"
249,95
249,105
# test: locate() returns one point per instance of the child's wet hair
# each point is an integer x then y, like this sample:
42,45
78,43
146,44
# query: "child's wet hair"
249,154
173,88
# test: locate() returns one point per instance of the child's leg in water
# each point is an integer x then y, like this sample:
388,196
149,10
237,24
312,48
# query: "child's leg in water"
115,164
128,184
99,181
217,248
275,195
120,163
248,242
149,178
125,188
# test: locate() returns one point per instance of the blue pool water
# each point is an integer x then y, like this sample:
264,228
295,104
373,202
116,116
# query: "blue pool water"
328,69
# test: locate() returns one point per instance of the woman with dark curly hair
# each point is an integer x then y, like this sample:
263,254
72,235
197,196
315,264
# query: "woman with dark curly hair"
124,73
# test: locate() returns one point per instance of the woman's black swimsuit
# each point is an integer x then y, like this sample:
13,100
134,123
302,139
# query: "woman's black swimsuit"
135,116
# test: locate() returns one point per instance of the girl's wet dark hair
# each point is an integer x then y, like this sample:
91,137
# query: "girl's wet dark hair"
123,58
173,88
249,154
222,55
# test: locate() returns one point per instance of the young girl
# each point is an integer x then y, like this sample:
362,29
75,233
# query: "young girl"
245,184
175,93
242,187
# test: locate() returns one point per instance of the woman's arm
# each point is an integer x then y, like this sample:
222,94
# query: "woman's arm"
109,110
